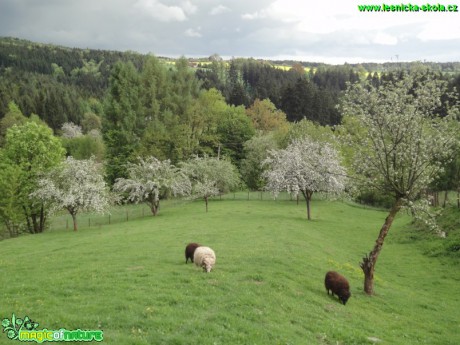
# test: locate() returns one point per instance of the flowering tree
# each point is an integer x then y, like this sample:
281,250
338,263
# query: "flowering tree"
71,130
75,185
210,176
398,144
305,166
151,178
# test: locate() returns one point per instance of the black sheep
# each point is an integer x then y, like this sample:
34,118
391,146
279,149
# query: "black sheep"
190,250
338,285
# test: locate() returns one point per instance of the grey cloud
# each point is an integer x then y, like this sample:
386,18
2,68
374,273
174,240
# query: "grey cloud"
205,27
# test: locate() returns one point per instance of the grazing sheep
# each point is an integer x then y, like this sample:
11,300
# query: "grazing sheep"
204,257
338,285
190,250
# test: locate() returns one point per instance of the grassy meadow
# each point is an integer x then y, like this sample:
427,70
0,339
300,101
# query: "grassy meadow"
130,279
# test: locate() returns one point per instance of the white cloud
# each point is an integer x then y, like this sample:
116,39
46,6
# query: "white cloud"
193,33
385,39
219,10
188,7
436,29
161,12
255,15
329,30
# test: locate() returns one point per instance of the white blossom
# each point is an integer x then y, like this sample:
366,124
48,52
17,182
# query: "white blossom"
399,146
305,166
71,130
210,176
76,185
149,179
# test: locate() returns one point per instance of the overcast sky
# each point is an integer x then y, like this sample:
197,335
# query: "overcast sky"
321,31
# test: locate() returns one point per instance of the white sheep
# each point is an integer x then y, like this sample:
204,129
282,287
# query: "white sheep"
204,257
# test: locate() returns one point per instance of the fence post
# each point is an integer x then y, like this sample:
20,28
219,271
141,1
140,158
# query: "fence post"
127,216
109,218
89,222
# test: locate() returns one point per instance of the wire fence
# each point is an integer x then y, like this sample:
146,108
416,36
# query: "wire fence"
125,213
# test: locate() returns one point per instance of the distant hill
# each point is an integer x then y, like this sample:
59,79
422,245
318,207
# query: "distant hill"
58,83
37,57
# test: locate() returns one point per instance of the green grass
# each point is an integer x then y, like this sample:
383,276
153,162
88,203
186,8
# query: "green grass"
130,278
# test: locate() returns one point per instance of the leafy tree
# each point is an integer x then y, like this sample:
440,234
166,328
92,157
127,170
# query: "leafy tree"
13,117
210,177
307,128
85,146
90,122
174,110
255,152
298,68
33,150
150,180
75,185
265,117
400,146
123,122
236,86
185,87
202,120
306,167
155,88
11,213
234,129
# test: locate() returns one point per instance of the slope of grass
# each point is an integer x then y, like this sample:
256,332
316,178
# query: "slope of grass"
130,279
432,244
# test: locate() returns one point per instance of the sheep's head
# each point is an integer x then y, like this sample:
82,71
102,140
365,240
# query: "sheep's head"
207,265
345,296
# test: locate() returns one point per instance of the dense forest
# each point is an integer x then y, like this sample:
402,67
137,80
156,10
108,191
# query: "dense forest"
60,84
124,104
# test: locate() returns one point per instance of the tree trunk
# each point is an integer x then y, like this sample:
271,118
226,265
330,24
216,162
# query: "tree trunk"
446,197
29,225
42,219
35,223
458,198
206,201
74,218
307,195
154,207
369,261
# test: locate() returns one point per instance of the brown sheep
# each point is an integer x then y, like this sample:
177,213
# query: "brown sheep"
190,250
338,285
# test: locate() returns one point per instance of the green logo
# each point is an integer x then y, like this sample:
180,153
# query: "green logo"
27,330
